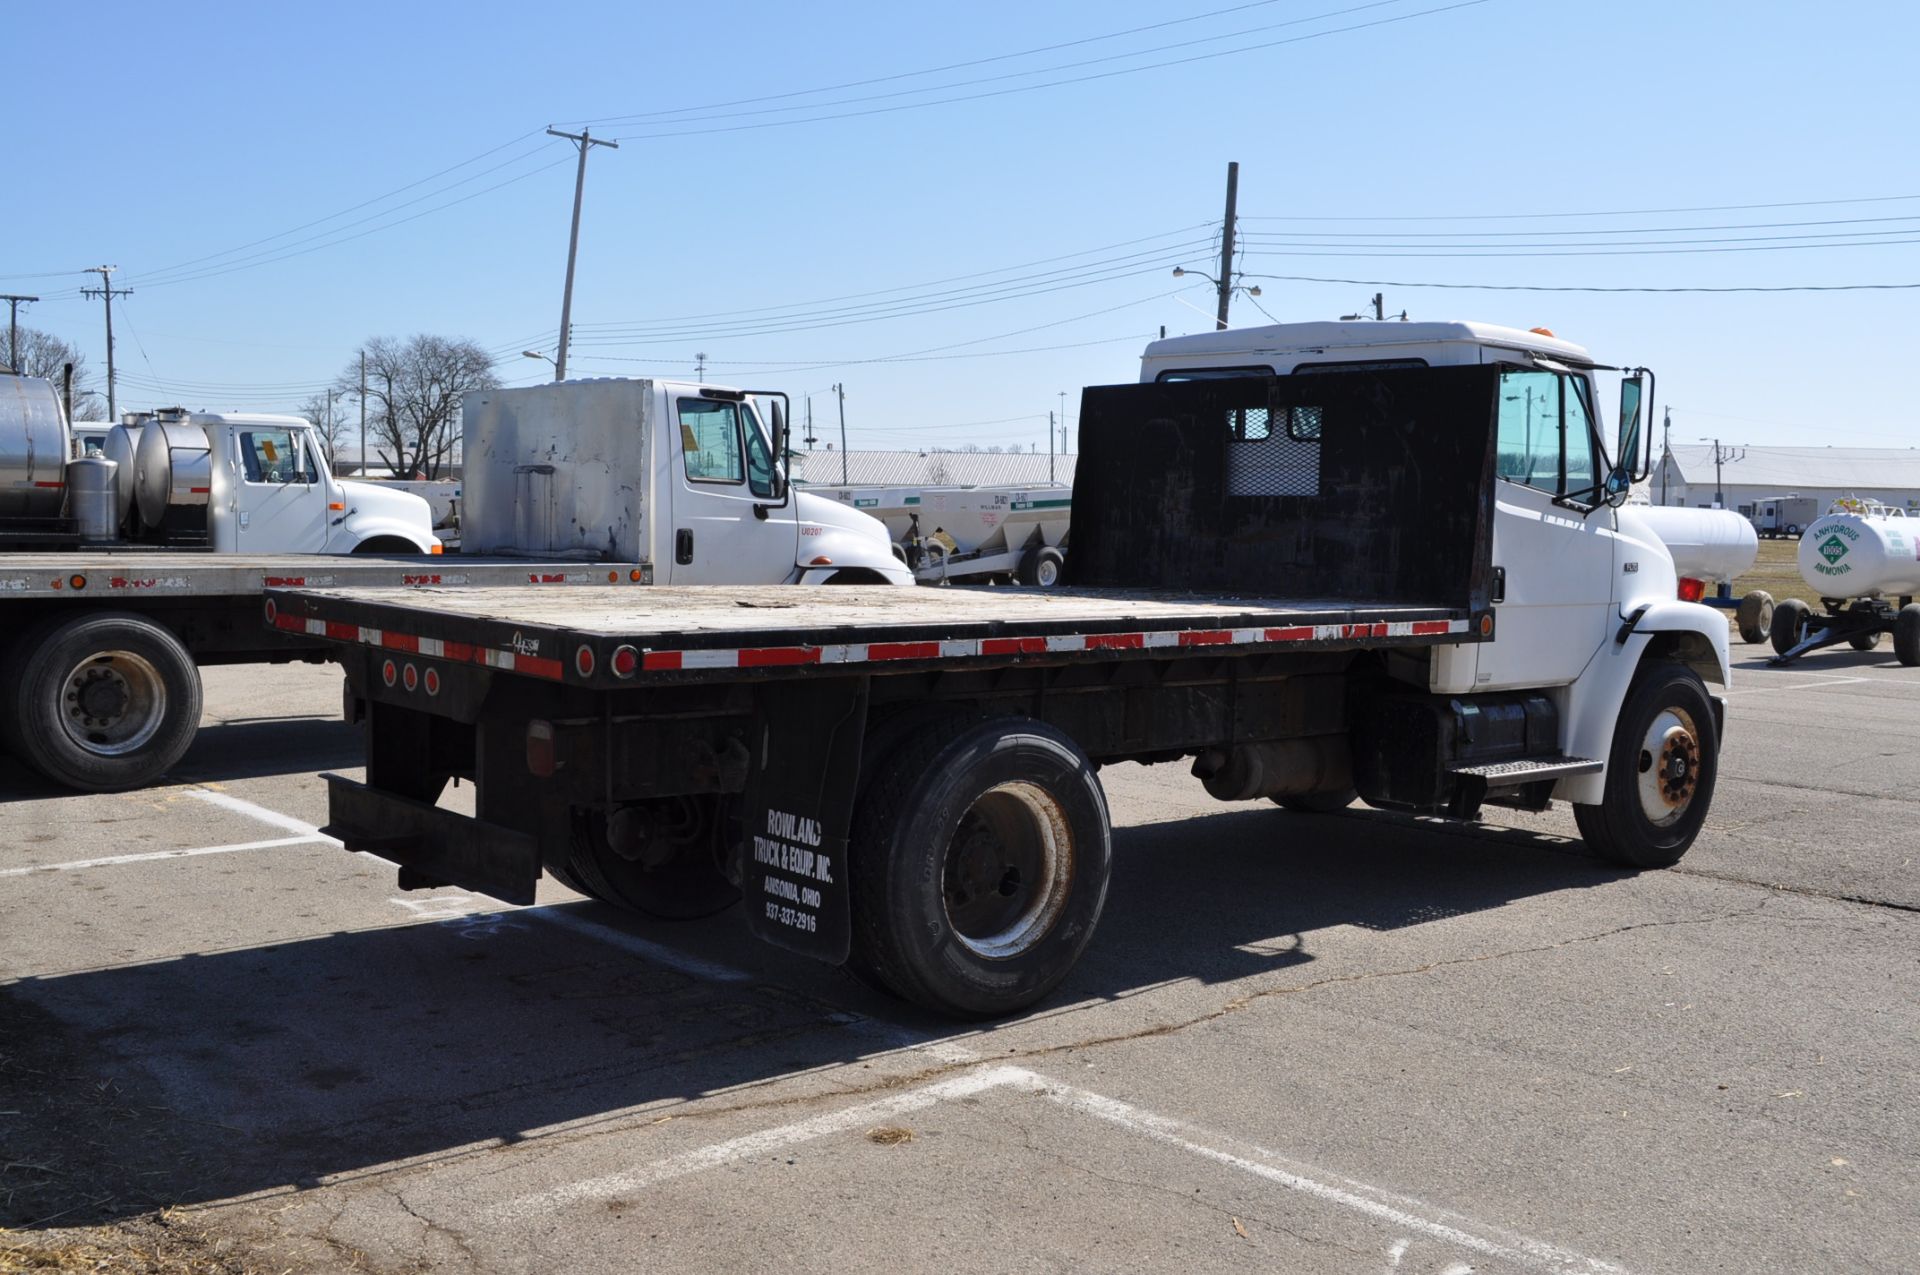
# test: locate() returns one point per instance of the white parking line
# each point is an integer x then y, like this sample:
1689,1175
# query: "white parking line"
1798,686
1402,1212
116,859
646,949
240,806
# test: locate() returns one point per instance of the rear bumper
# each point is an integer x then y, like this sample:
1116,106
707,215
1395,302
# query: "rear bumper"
433,847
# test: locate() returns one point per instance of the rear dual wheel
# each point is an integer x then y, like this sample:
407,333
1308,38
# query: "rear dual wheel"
980,854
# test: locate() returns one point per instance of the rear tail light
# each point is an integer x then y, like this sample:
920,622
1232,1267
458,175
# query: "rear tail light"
1692,590
625,661
541,759
583,661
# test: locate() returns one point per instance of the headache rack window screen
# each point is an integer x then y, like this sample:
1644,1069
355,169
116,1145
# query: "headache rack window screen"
1263,460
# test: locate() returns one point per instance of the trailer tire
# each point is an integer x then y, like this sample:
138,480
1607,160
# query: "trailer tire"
685,887
1660,774
1041,566
1864,641
1789,625
104,702
979,857
1755,617
1906,635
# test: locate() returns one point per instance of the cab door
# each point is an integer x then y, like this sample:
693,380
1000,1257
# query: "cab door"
281,498
724,474
1556,559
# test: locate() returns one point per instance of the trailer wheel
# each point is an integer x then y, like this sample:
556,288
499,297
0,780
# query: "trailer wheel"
1661,772
1906,634
1864,641
1041,566
1755,617
674,875
104,702
979,857
1793,531
1789,625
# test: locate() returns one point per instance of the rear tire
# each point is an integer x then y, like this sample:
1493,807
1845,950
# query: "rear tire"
1755,617
1906,635
1864,641
684,884
103,703
980,854
1660,772
1789,625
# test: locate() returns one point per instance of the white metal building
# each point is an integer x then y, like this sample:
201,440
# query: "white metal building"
1685,475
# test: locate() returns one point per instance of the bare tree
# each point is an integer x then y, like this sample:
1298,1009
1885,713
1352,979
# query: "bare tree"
46,355
328,412
414,389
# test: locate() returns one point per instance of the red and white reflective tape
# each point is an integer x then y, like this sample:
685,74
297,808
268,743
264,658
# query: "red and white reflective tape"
875,652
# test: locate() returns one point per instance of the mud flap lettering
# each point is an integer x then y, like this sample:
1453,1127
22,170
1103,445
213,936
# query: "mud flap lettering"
799,805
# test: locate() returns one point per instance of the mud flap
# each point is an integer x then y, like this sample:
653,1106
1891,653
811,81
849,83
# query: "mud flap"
799,806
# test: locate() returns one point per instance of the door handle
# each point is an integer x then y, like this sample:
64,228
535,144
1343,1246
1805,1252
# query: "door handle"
683,546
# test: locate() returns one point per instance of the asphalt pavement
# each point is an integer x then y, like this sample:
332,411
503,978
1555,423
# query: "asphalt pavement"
1356,1042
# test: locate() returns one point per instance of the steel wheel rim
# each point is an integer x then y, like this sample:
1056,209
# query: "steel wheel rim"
1046,573
112,703
1008,870
1669,765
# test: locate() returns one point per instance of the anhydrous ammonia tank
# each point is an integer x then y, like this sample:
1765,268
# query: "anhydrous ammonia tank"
1707,544
1858,555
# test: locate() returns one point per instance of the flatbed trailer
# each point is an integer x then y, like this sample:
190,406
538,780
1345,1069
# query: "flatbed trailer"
907,783
99,688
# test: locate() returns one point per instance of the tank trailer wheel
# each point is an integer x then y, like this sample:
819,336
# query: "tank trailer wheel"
1660,774
660,858
1789,625
1864,641
1755,617
104,702
1906,634
1041,566
980,855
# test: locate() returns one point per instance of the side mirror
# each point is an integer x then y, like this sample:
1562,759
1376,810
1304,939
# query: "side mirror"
1627,454
779,420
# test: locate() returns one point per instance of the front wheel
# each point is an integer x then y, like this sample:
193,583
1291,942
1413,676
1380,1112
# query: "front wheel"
1660,775
104,703
1789,625
980,854
1906,635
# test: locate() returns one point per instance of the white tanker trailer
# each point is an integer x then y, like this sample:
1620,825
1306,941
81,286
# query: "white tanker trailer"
1710,548
1857,557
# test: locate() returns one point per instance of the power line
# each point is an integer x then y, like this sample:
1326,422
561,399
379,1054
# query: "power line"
1080,79
1600,230
1867,238
1617,212
1532,287
1627,252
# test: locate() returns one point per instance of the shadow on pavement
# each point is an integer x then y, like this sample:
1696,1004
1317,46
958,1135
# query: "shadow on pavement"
227,1072
227,750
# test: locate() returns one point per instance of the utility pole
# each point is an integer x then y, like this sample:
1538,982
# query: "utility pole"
13,328
1379,307
1049,446
585,142
1666,452
1226,247
699,367
841,390
326,428
363,414
107,291
1722,456
811,440
1063,422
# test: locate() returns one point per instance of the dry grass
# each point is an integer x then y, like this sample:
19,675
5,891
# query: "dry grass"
1775,571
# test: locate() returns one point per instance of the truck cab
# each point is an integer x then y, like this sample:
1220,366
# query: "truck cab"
690,479
1583,589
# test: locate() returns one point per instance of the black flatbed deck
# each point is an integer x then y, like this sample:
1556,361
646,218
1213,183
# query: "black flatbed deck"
720,633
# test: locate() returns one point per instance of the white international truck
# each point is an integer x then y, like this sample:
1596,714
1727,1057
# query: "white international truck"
123,571
1310,562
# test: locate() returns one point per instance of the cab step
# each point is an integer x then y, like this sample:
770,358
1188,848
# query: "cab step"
1528,770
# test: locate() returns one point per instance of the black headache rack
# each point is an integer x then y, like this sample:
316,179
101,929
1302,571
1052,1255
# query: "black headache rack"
1238,546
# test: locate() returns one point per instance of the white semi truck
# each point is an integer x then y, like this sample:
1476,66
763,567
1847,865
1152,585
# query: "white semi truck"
1310,561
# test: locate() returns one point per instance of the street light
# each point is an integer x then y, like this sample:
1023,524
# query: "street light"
535,354
1181,272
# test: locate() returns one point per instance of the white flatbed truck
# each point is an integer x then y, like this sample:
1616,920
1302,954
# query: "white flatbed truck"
907,782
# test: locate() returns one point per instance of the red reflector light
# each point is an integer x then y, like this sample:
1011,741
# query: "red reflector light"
821,561
389,672
625,662
432,680
540,751
78,582
1692,590
273,612
634,575
583,661
411,677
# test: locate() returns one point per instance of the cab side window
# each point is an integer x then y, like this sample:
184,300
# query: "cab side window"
710,441
270,456
1546,432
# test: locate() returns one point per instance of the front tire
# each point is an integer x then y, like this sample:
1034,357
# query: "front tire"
1660,774
104,703
1789,625
1906,635
980,855
1755,617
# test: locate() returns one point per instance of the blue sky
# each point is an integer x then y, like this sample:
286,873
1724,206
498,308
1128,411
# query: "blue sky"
959,264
